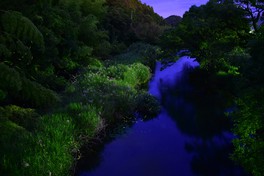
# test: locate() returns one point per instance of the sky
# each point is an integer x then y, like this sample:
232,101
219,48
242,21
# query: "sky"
166,8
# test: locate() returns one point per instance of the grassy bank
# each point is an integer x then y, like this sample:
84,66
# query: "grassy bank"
37,143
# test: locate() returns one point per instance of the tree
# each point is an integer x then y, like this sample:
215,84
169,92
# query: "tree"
18,34
254,10
125,18
209,32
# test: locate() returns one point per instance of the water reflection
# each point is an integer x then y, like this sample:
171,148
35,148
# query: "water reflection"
189,137
155,148
202,117
211,157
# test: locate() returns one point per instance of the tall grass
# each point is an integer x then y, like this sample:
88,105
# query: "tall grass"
86,120
53,147
49,145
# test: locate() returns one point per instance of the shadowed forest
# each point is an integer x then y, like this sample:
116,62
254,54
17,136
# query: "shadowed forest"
72,72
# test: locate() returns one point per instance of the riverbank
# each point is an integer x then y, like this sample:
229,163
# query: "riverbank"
191,132
103,96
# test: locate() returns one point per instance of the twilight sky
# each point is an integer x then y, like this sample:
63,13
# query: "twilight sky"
166,8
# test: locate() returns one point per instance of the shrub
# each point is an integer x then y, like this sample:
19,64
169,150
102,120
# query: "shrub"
116,71
249,144
114,97
24,90
119,103
148,106
11,148
48,78
142,73
36,95
10,80
133,75
139,52
26,118
113,89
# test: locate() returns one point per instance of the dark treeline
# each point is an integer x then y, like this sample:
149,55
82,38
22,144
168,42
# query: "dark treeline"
227,39
61,82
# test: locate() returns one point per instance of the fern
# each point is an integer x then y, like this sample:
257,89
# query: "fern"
20,27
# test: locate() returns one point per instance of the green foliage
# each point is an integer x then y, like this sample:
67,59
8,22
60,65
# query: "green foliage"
209,32
25,90
36,95
113,96
131,21
139,52
20,27
89,33
249,127
248,119
137,74
50,80
226,69
10,80
86,119
149,32
52,148
48,151
11,138
85,54
112,88
147,106
74,37
26,118
96,7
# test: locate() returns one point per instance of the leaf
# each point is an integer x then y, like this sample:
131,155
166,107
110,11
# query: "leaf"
20,27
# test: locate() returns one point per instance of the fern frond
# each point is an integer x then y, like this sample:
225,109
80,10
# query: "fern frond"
21,27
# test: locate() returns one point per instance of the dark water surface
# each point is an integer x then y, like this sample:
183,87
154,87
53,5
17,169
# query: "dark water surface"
189,137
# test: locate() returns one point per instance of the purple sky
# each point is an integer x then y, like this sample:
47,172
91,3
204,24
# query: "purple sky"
166,8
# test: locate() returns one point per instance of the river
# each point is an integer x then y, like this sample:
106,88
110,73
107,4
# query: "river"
189,137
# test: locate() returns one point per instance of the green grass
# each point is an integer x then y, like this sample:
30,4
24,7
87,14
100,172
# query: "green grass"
52,148
32,144
86,119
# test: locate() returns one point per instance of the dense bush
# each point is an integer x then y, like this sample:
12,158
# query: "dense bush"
109,89
147,106
139,52
10,80
12,139
26,118
35,95
21,90
249,127
113,88
44,47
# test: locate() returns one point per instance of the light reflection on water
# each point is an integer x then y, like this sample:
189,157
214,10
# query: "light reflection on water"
154,147
181,141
